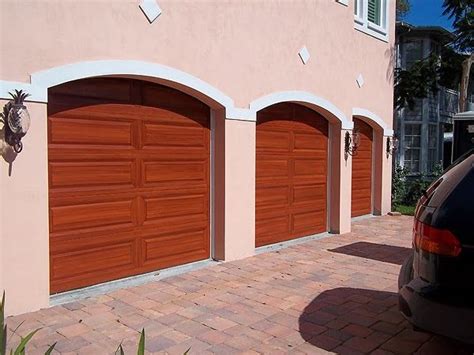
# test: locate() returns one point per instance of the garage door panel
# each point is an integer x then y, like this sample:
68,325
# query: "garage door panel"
268,228
309,168
77,263
81,131
189,245
121,172
92,174
75,240
79,152
308,222
165,207
273,141
361,194
168,136
175,171
307,141
92,215
309,194
273,168
272,196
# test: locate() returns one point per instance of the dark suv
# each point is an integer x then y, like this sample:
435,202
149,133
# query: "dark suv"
436,283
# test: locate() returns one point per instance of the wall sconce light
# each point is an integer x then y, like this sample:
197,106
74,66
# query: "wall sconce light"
16,120
392,145
351,143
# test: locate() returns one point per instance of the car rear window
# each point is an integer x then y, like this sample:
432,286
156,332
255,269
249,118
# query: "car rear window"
442,187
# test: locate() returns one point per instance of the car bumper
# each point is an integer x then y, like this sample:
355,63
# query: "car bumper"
434,316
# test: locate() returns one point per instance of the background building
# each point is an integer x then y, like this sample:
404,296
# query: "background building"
421,131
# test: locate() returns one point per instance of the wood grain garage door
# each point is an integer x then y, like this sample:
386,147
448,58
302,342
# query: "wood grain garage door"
128,180
362,171
292,160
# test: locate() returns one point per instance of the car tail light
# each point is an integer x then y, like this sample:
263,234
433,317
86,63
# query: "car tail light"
434,240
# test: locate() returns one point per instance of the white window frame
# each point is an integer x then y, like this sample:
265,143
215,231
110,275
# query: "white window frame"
362,23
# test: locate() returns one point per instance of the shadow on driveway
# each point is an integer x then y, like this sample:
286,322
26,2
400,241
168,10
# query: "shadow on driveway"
351,321
380,252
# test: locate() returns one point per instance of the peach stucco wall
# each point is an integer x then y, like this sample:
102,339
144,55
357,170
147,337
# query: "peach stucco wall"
24,267
244,49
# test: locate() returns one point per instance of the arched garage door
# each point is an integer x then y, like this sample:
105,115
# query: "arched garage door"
128,180
362,171
292,166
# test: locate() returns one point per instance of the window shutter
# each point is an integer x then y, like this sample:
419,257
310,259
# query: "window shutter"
373,13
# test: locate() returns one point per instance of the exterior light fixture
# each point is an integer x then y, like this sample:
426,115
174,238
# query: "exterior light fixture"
16,120
392,145
351,143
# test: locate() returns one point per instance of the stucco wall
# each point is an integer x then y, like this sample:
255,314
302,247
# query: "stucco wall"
245,49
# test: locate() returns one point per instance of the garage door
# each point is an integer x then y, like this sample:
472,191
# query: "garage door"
128,180
362,171
292,160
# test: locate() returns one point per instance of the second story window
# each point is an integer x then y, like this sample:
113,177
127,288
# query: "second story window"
371,16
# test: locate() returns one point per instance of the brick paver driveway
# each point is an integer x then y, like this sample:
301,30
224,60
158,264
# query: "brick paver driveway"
335,294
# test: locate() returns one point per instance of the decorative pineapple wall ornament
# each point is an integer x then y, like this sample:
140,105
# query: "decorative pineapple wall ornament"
16,120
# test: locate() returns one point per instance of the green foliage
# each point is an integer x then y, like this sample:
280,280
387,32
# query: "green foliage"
398,185
403,7
141,345
449,71
415,190
3,327
416,82
405,210
406,192
462,14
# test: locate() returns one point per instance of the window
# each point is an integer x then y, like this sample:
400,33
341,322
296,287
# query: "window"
413,52
412,147
432,147
371,17
373,11
416,113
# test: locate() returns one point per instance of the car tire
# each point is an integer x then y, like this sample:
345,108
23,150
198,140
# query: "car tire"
406,272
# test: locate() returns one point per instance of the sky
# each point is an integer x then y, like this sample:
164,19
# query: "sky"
427,13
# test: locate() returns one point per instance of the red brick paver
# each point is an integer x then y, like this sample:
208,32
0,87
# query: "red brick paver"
336,294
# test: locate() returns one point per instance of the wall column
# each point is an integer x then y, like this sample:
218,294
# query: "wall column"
24,230
234,188
386,205
340,182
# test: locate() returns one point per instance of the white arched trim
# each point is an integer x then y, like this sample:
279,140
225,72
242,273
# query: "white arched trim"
374,118
302,97
42,80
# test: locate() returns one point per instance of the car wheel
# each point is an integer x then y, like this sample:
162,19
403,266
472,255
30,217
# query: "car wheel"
406,272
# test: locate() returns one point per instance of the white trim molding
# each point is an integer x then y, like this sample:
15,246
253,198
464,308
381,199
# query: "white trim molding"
41,81
302,97
58,75
36,93
360,112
